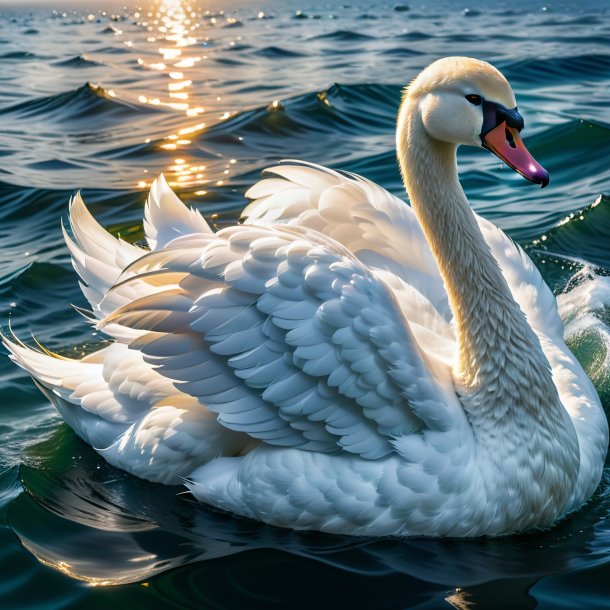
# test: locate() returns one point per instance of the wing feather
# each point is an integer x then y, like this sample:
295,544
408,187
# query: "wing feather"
101,260
382,231
97,256
166,217
291,340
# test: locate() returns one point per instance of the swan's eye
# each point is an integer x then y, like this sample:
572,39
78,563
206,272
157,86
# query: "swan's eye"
475,100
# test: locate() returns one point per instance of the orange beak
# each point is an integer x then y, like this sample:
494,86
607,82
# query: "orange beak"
506,143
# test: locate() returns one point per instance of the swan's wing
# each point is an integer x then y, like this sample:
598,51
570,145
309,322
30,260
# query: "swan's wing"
99,258
378,228
578,394
527,286
382,231
289,338
129,413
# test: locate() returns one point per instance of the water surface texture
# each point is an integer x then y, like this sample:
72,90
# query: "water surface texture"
103,99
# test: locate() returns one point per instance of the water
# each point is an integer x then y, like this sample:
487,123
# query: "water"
104,102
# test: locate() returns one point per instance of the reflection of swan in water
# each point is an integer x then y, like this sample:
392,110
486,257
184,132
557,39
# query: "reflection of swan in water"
366,368
100,525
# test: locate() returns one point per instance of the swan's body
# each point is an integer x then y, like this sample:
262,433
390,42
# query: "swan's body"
340,361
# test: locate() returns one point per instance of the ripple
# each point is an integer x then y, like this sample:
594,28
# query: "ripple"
401,52
114,50
53,164
74,502
413,35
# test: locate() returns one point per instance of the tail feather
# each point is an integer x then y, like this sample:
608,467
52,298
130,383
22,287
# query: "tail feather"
134,417
59,374
58,378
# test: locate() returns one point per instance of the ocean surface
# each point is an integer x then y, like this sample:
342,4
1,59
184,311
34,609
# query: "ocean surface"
103,99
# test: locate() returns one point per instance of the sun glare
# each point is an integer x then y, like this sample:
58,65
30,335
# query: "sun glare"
174,31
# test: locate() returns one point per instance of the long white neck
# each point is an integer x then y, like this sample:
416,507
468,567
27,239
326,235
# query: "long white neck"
501,373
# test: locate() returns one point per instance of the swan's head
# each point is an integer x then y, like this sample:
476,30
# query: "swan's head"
468,101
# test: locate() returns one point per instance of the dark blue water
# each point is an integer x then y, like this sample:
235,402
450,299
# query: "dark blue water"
103,99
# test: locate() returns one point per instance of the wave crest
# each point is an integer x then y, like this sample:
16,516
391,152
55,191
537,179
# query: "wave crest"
72,108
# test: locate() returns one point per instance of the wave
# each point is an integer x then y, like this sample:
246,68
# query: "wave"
234,23
584,306
79,61
400,52
338,109
19,55
414,35
461,38
53,164
582,235
576,153
278,52
113,50
573,67
73,107
567,21
228,61
343,36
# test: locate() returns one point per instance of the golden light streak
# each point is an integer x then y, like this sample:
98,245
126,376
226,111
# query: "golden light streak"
175,28
179,85
187,62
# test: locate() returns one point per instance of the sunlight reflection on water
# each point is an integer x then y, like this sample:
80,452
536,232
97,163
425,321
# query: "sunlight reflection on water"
177,27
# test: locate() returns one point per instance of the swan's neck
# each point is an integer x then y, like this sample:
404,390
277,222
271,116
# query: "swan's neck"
501,371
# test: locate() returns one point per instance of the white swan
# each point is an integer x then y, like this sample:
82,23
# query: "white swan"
341,361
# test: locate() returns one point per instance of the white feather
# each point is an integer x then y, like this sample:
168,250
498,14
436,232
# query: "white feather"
133,416
166,217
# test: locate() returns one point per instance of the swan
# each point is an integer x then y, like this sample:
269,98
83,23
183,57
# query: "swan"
340,361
